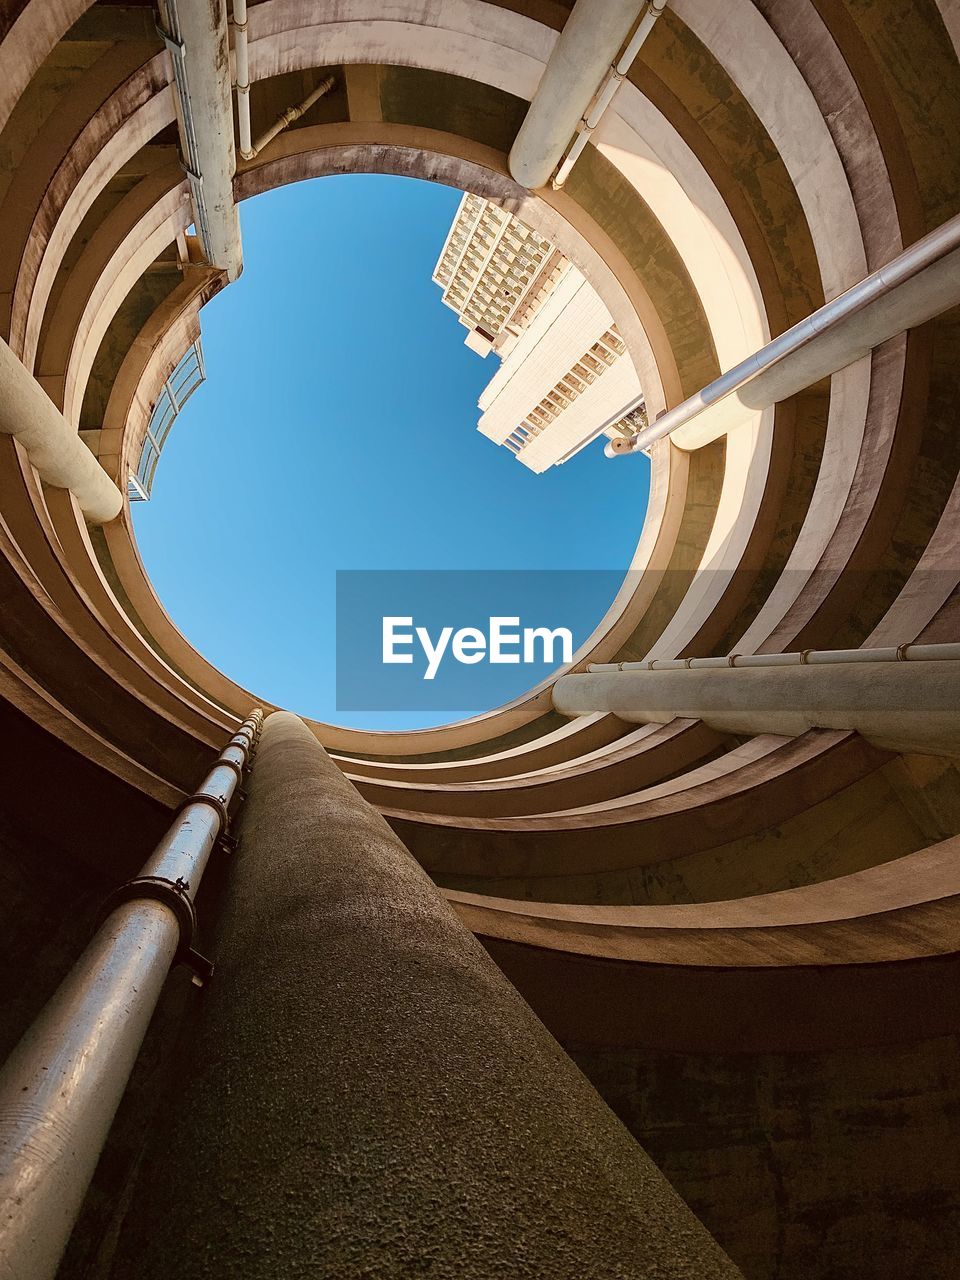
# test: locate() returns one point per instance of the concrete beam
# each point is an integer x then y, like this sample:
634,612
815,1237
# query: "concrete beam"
196,33
51,444
900,706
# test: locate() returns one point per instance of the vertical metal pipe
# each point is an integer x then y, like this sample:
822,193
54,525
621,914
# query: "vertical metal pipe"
61,1086
392,1100
242,76
608,91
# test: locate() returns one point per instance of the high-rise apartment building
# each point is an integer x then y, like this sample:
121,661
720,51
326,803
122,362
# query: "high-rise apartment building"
566,380
494,271
566,376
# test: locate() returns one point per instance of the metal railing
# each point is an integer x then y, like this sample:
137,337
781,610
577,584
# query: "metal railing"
802,657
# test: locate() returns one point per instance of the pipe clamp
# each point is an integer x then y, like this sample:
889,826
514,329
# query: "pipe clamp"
215,802
174,894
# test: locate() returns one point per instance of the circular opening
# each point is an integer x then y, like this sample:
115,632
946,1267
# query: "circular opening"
336,432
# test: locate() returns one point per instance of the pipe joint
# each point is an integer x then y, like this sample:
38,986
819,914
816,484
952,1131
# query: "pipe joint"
215,802
174,894
233,764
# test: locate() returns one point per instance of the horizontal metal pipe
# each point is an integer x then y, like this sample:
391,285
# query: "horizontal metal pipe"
51,444
60,1088
921,282
586,48
808,657
900,706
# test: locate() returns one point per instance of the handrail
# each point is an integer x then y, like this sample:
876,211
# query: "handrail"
803,657
925,253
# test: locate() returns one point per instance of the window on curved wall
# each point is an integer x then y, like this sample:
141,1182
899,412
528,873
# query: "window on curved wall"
186,376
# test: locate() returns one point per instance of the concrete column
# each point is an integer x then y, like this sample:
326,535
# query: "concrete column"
368,1096
902,706
920,283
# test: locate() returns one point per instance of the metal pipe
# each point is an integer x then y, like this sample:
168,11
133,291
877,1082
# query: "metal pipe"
608,90
921,282
291,114
195,33
585,50
51,444
242,76
804,657
248,149
61,1086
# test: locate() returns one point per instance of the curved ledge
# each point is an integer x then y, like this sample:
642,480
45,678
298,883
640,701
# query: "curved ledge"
903,910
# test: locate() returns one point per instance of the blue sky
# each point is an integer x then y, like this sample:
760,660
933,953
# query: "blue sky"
337,430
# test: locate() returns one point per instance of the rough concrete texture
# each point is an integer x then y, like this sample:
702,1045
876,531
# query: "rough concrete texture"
367,1095
807,1166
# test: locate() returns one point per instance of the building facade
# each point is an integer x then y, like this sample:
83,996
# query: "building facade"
565,377
564,382
494,272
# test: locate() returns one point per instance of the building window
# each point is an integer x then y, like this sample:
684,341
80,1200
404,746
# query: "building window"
187,375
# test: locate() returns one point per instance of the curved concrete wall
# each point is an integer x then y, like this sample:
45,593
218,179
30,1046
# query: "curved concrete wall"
632,880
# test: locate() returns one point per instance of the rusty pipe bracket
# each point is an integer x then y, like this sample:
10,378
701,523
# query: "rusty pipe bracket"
229,842
174,894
